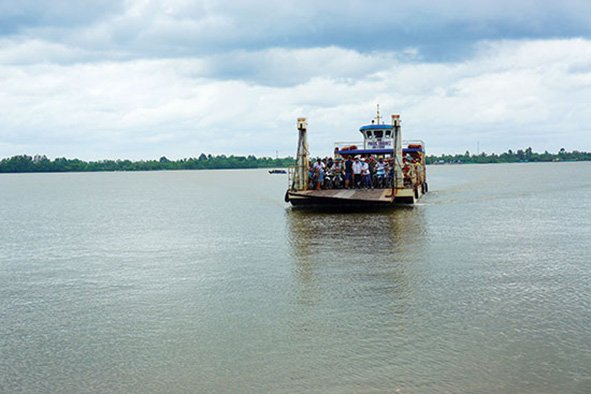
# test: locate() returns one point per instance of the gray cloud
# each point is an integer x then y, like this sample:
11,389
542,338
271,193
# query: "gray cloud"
19,17
444,30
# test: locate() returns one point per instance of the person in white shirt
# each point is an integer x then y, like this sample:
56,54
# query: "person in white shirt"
318,164
357,169
366,174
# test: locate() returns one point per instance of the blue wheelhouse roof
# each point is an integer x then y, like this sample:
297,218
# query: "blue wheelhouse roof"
376,127
385,151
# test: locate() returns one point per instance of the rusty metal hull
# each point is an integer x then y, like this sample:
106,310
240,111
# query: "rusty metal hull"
353,198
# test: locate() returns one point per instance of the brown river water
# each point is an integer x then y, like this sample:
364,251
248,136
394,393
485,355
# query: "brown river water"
206,281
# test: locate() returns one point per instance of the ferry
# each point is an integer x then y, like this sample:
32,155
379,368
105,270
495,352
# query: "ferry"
405,184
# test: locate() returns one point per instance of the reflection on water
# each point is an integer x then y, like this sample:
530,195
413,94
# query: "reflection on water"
355,276
390,234
378,249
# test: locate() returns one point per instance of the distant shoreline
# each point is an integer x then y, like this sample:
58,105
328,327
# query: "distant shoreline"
519,156
41,164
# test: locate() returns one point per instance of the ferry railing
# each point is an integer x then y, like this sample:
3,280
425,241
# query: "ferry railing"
342,144
408,142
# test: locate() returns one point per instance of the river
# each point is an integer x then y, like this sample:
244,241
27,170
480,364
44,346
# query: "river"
206,281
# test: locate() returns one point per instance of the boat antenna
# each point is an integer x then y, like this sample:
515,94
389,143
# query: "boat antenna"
378,115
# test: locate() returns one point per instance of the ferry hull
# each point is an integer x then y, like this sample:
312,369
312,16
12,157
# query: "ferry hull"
353,198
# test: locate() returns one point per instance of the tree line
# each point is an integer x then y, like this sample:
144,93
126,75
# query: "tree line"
519,156
38,163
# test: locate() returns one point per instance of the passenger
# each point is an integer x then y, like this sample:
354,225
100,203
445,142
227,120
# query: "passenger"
328,176
319,177
380,172
390,172
372,163
318,164
311,176
357,169
366,174
372,168
407,173
348,172
338,165
329,163
336,172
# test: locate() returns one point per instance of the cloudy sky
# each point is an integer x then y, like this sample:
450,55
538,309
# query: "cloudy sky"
140,79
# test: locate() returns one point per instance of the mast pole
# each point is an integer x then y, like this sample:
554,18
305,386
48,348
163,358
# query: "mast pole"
398,175
378,115
301,170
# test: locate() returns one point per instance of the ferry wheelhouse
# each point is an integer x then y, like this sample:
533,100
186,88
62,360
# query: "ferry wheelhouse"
406,181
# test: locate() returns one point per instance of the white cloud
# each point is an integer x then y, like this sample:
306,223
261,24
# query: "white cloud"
511,94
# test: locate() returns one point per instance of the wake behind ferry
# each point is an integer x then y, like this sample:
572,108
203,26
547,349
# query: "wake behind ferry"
380,171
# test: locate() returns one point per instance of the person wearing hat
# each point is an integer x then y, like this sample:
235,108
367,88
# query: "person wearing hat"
366,174
357,169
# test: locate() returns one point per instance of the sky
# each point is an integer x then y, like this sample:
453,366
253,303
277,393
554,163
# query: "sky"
141,79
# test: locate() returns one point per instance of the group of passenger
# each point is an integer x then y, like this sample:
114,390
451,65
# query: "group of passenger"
352,172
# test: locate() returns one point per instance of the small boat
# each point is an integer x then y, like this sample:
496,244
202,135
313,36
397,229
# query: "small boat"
277,172
405,182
